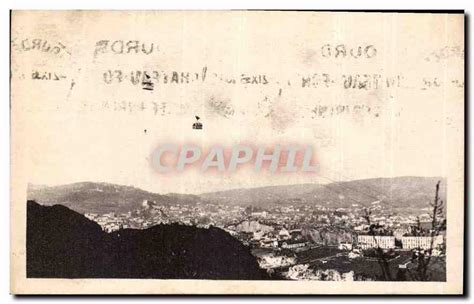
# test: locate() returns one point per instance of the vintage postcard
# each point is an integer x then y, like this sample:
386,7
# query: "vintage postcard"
237,152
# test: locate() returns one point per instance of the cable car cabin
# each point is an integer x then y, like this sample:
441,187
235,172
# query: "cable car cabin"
197,126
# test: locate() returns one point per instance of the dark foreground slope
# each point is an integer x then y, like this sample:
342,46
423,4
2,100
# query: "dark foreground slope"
64,244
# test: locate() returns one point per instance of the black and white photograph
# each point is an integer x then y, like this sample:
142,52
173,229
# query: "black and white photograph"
366,230
237,152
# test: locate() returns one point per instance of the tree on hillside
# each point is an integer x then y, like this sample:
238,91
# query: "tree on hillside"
424,257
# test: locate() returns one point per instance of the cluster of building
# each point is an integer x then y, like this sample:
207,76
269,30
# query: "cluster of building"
292,227
151,214
285,233
305,272
407,241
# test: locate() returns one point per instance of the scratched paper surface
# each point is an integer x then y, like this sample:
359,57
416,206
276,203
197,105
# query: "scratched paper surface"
297,147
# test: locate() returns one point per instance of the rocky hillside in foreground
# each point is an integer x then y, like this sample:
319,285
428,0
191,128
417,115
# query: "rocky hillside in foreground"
62,243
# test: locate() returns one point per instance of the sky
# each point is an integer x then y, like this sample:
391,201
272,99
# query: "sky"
242,74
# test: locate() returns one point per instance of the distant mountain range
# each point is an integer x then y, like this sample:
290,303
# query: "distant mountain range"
397,193
61,243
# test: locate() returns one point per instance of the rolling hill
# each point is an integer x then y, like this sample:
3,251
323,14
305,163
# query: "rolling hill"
101,197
